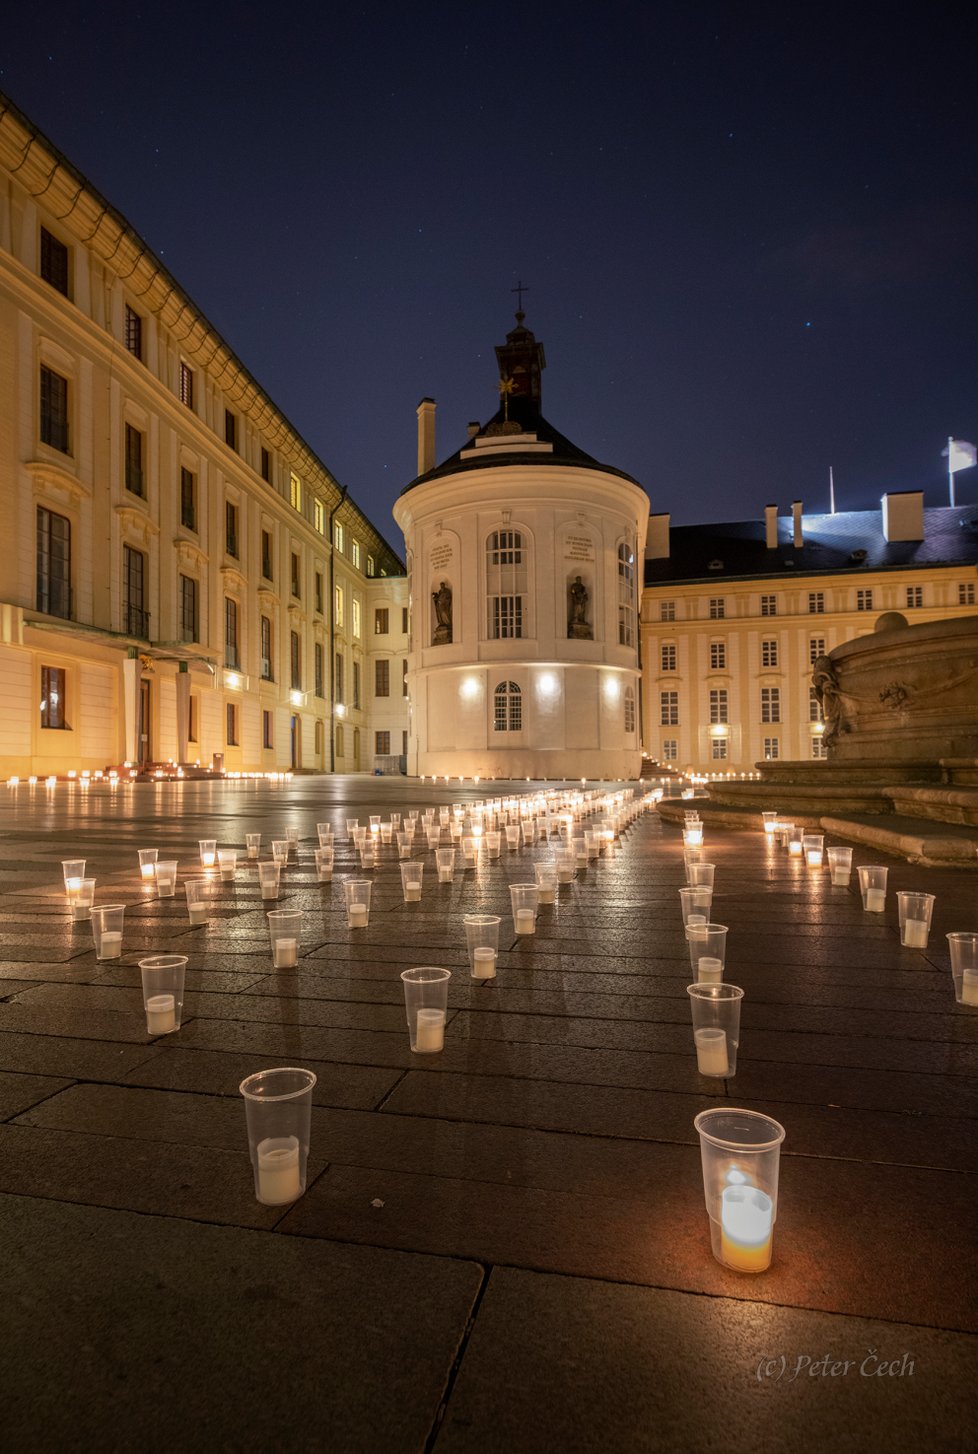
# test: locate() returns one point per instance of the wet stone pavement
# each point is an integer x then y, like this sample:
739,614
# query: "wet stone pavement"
504,1246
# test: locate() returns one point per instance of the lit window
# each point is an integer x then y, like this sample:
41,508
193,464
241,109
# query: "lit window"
355,553
357,618
53,697
319,516
371,566
507,708
295,491
818,747
670,750
718,749
338,537
338,607
719,710
381,621
186,385
629,708
770,704
772,748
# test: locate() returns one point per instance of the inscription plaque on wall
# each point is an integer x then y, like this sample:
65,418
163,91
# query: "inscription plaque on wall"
441,556
579,547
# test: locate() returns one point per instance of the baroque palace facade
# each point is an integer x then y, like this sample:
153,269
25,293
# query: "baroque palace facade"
183,580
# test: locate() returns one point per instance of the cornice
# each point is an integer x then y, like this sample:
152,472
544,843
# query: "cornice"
54,478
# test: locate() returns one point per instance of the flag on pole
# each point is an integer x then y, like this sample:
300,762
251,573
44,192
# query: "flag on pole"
960,455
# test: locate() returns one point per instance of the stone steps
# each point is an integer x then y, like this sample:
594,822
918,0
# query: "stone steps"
911,838
957,804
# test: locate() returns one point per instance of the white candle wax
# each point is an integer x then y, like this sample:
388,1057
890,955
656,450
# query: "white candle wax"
525,921
484,963
148,870
325,875
746,1228
278,1170
565,875
110,946
840,877
444,875
81,911
412,894
208,860
814,857
357,916
874,901
269,891
227,873
969,987
709,970
695,921
915,932
429,1032
702,898
161,1016
711,1051
794,849
198,915
285,953
252,852
547,894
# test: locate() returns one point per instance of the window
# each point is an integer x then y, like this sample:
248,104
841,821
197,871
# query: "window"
505,547
53,564
816,648
295,491
719,711
134,332
718,656
915,596
188,499
670,750
338,677
338,607
318,582
135,615
371,566
53,698
629,722
295,661
319,516
816,603
381,621
231,658
769,652
294,582
864,600
966,593
54,410
507,708
382,744
382,678
718,749
404,741
265,627
814,706
357,618
718,608
186,385
668,658
404,682
188,608
355,553
266,729
192,723
135,479
231,528
819,749
232,724
772,748
505,617
265,469
769,605
667,610
404,620
338,537
230,429
669,709
54,262
770,704
318,666
266,555
340,740
356,684
626,596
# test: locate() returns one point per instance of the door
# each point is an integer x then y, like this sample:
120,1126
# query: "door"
144,745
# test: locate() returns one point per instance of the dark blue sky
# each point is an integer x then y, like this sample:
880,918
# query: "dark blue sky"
749,231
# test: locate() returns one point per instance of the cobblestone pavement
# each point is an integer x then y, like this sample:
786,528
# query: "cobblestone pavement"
504,1246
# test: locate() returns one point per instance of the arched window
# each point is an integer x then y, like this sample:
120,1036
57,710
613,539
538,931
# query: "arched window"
626,595
507,702
507,560
629,709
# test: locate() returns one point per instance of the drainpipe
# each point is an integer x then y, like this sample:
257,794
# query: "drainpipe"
331,664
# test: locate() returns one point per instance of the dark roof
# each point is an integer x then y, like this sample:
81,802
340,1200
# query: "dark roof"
526,413
950,538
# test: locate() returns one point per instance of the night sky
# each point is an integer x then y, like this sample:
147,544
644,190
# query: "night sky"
749,231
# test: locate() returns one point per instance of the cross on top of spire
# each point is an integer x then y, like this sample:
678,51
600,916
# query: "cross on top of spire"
520,288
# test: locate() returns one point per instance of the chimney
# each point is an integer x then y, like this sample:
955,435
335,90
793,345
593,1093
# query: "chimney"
472,428
426,436
657,546
771,526
798,539
903,515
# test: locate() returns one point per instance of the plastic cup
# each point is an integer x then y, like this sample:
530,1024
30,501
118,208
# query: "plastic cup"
395,821
445,859
692,837
356,893
352,824
709,970
482,939
374,820
165,873
592,843
81,897
292,838
285,932
278,1105
426,1005
269,875
227,859
494,842
872,886
368,853
280,851
964,967
324,862
716,1027
840,866
512,836
405,842
147,863
72,868
524,899
163,976
324,832
796,848
695,902
107,922
741,1155
546,877
433,834
709,940
386,832
253,844
470,851
566,864
915,912
812,846
412,874
198,891
579,845
769,819
208,852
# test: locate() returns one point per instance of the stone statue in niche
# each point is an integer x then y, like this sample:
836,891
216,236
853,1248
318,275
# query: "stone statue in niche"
578,627
442,599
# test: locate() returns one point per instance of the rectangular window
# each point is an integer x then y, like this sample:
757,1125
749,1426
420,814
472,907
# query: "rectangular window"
404,620
266,555
381,621
295,491
719,711
232,725
668,657
769,605
769,652
186,385
135,478
816,603
318,582
356,684
231,528
295,661
319,516
718,608
371,566
772,748
404,741
340,737
357,618
53,564
188,499
231,658
864,600
506,617
915,596
819,749
670,750
718,656
265,469
355,553
404,684
295,585
319,675
266,729
53,681
382,678
188,608
265,626
192,724
382,744
136,617
54,410
230,429
669,709
718,749
54,262
816,648
814,706
338,607
966,593
506,548
770,704
134,332
667,610
338,537
338,677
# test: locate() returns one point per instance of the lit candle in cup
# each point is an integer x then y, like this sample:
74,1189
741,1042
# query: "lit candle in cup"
525,921
915,932
430,1033
285,954
711,1051
110,946
746,1228
161,1015
969,987
484,963
709,971
875,901
358,916
278,1170
412,893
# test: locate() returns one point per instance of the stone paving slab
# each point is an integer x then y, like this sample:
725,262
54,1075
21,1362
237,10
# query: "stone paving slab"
17,1092
221,1073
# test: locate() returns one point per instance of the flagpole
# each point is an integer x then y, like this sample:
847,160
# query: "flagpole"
831,492
950,472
